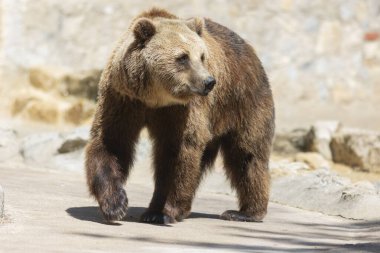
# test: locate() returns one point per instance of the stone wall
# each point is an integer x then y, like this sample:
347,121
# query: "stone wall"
322,56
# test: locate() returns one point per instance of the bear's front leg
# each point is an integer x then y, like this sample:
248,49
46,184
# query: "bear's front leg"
177,175
105,178
178,144
110,152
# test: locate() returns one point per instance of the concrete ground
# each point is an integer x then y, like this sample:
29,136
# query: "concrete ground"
50,211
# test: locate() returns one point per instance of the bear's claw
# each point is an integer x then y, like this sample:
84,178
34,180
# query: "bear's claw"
240,216
115,207
156,218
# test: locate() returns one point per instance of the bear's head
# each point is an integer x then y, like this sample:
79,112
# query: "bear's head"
174,55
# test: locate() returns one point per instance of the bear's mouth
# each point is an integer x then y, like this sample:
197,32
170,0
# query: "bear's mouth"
203,92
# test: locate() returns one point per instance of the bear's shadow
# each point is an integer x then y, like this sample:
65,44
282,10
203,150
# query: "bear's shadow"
93,214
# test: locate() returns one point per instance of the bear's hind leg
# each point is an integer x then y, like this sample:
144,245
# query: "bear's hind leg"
246,166
207,161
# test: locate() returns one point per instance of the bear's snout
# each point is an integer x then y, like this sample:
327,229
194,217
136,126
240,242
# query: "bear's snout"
209,84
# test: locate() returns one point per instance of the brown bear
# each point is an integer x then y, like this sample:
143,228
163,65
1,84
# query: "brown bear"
198,88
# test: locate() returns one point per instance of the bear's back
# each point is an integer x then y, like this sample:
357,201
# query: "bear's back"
227,38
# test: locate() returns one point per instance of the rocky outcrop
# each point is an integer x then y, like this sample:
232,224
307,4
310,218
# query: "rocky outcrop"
319,137
307,182
42,110
290,142
325,192
56,150
57,95
312,159
315,139
330,141
40,106
72,145
78,112
82,84
9,145
357,148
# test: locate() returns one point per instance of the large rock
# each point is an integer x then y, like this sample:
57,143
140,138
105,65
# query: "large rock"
289,142
325,192
80,111
76,83
82,84
66,150
75,140
38,106
9,145
41,106
314,160
42,111
284,167
45,78
319,137
39,148
20,102
56,150
357,148
1,202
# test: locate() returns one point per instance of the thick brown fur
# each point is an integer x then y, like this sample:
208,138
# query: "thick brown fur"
187,129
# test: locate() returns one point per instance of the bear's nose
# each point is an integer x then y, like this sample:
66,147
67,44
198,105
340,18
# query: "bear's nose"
209,83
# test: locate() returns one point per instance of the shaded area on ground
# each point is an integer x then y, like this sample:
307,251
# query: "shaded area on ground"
92,213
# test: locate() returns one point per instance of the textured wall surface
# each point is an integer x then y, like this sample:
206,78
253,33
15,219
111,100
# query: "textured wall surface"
322,56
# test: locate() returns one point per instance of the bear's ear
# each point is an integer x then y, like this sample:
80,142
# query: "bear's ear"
143,30
196,24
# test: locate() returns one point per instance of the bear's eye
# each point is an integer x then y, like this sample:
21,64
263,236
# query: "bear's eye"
203,57
182,59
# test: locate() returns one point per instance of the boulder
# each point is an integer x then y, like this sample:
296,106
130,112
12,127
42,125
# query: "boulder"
75,140
314,160
9,145
319,137
72,145
56,150
284,167
20,102
79,112
40,148
292,142
1,202
45,78
356,148
70,154
42,111
80,84
323,191
37,105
